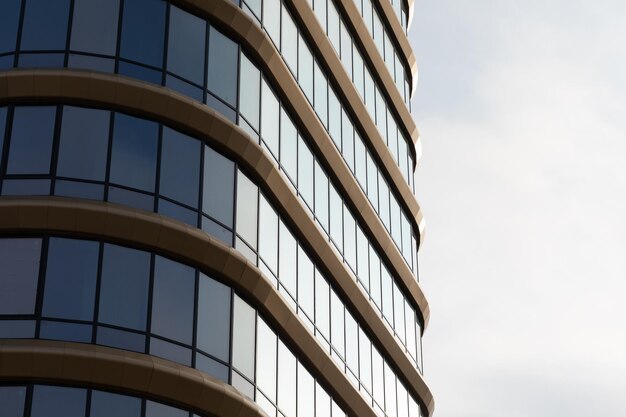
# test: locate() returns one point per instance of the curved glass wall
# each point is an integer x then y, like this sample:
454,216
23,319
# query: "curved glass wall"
93,292
35,400
206,65
109,156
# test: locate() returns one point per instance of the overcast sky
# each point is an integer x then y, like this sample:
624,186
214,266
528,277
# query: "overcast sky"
521,105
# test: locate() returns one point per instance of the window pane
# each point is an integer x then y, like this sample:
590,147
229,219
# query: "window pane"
143,28
374,271
322,401
321,95
84,143
266,367
322,305
12,400
219,183
336,218
244,318
3,118
161,410
121,339
214,318
45,25
346,50
360,161
288,256
305,172
365,360
71,332
288,146
289,41
336,322
349,238
305,69
347,138
247,203
306,284
94,26
334,118
362,258
222,78
124,287
185,51
390,391
71,279
173,300
9,20
268,235
306,393
249,92
333,25
270,113
321,196
352,344
17,329
180,167
286,381
107,404
378,381
387,295
19,263
31,140
271,19
170,351
134,152
58,401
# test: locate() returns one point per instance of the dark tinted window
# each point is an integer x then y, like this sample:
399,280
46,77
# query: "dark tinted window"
45,25
70,332
143,31
31,140
94,26
84,143
3,118
214,318
107,404
161,410
12,400
222,77
19,263
58,402
134,152
71,279
180,167
185,51
124,287
172,302
219,183
9,20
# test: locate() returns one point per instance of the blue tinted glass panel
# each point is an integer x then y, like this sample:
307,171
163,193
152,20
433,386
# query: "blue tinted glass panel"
84,143
94,26
9,20
70,332
19,263
107,404
161,410
212,367
178,212
45,25
26,187
12,400
139,72
17,329
124,287
131,198
6,62
180,167
216,230
218,187
214,318
185,51
58,401
184,87
222,79
143,31
121,339
134,152
79,190
31,140
38,60
71,279
172,300
3,118
170,351
91,62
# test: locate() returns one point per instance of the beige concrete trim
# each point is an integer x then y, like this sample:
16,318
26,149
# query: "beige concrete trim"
100,367
232,20
150,231
129,95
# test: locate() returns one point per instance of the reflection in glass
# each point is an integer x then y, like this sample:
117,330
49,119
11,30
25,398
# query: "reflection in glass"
214,318
247,198
19,263
243,337
161,410
287,260
288,146
269,119
9,21
180,167
268,235
108,404
12,400
185,51
31,140
222,67
45,25
218,187
249,92
143,28
94,26
58,401
289,41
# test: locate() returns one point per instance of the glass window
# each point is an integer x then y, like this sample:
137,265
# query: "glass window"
243,337
346,50
94,26
387,295
271,19
333,26
305,172
268,235
370,100
395,221
212,367
378,381
173,300
45,25
360,161
320,12
336,216
337,323
17,329
31,140
222,67
288,146
286,381
124,287
378,33
219,187
185,51
289,41
372,181
305,69
84,143
255,7
384,202
374,274
12,400
390,391
287,260
105,404
367,15
306,284
58,401
349,238
180,167
270,113
365,360
321,196
3,118
306,393
322,401
409,318
321,94
334,117
247,205
161,410
398,313
249,92
170,351
322,304
143,31
71,279
71,332
214,318
9,21
347,137
352,344
337,411
266,368
358,71
19,263
134,152
362,248
121,339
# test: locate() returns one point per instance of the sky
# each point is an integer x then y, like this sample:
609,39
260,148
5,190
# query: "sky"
521,106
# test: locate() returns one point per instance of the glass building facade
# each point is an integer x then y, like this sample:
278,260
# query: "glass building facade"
226,123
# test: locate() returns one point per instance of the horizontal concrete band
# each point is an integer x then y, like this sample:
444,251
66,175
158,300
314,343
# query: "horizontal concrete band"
92,366
148,100
149,231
